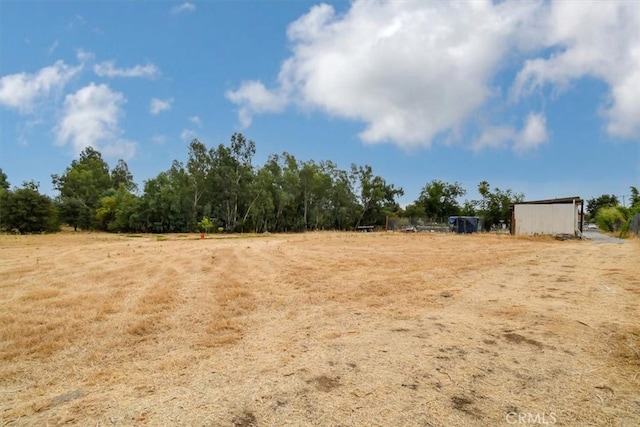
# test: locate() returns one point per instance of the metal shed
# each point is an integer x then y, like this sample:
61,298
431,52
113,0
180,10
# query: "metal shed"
553,216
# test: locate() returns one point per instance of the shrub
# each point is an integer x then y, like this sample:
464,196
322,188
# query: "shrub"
612,218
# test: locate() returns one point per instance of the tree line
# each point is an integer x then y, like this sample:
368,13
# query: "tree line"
220,189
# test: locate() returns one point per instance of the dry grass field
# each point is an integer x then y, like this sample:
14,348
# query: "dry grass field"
318,329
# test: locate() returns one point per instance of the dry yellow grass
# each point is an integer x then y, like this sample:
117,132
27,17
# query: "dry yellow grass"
318,329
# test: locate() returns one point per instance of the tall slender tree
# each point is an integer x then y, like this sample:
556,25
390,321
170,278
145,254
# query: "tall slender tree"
120,175
198,167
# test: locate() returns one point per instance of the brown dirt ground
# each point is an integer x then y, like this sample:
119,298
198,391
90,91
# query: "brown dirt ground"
318,329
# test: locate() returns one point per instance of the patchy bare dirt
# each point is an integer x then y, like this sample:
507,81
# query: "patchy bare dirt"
346,329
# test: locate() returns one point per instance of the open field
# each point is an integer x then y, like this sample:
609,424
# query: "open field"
326,329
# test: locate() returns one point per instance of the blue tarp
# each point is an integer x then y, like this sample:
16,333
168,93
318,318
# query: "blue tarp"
464,224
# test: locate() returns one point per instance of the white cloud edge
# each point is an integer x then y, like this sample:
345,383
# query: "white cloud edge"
90,117
188,135
196,121
21,91
108,69
533,134
185,7
157,106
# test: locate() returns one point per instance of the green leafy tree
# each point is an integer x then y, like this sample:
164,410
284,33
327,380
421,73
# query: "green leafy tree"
440,199
233,177
635,196
26,210
120,175
604,201
284,177
263,216
495,205
199,167
415,210
205,225
81,187
118,211
342,202
165,206
317,177
4,188
4,183
611,218
74,212
631,214
484,189
374,197
306,175
469,208
105,212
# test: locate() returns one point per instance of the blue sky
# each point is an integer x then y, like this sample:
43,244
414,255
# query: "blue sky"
539,97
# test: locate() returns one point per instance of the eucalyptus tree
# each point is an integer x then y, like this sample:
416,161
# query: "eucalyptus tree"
262,217
484,189
199,166
316,183
165,205
372,194
120,175
342,202
231,176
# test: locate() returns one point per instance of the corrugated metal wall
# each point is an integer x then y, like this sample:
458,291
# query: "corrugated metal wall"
546,218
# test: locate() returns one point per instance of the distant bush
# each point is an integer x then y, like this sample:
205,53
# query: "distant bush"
611,218
25,210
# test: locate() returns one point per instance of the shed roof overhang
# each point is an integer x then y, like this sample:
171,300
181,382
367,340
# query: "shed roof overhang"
559,201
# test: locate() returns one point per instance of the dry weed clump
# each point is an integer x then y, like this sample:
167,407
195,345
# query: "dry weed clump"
317,329
626,346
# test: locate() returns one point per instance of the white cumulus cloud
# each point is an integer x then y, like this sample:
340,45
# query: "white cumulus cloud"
413,72
533,134
91,118
108,69
592,39
409,70
188,135
196,121
254,98
157,106
185,7
84,56
21,91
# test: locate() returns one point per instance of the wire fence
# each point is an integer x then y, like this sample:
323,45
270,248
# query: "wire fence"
634,227
413,224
